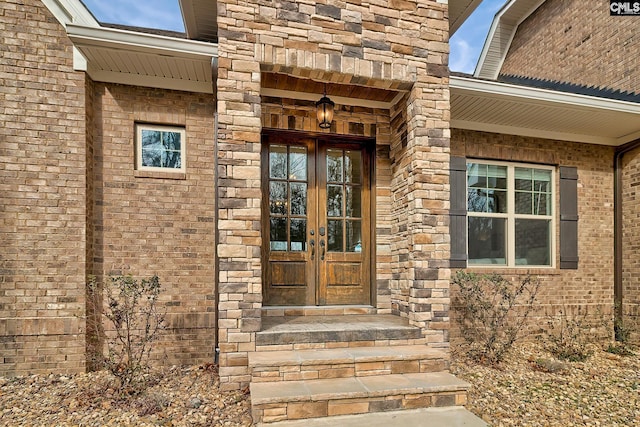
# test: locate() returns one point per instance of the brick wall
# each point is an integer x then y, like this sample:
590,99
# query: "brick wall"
631,242
591,285
396,44
577,41
43,198
146,223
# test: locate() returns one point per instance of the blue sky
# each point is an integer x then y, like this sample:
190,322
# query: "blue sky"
165,14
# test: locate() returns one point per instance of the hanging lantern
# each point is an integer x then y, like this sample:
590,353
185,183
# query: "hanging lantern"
324,110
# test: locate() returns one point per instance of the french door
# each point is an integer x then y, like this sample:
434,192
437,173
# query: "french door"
316,221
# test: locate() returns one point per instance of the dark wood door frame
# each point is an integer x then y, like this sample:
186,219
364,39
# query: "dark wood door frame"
295,269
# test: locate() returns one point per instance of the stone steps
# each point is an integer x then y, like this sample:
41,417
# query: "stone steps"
455,416
292,400
346,362
298,332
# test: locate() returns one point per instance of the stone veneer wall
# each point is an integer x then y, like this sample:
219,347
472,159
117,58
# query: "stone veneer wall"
43,198
397,44
577,41
146,223
589,288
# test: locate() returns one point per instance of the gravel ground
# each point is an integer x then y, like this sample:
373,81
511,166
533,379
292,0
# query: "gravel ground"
179,397
603,391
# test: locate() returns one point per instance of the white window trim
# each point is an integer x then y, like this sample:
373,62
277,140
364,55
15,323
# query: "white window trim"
511,216
163,128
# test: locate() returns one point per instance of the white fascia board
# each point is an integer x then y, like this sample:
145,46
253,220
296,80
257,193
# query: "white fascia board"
455,25
140,42
149,81
188,18
541,96
71,12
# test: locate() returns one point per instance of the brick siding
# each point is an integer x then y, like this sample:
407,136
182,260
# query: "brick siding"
42,185
590,287
577,41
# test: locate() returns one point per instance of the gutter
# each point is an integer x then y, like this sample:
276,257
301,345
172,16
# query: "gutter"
216,239
618,291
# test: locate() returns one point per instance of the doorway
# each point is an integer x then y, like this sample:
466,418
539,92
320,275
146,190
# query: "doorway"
317,238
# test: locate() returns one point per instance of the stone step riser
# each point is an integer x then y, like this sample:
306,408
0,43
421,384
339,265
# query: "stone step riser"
285,411
344,370
338,344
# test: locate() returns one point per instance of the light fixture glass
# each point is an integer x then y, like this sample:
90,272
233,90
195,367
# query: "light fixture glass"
324,110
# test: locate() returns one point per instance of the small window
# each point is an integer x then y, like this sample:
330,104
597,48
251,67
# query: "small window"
509,214
160,148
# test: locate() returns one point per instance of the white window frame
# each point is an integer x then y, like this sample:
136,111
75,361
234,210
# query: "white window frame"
511,216
140,127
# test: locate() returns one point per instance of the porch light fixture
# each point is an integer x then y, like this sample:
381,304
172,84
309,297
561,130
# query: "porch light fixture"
324,110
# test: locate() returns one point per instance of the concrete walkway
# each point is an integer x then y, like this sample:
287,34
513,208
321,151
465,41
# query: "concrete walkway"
431,417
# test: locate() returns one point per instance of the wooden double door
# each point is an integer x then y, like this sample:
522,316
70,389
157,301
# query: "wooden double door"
316,220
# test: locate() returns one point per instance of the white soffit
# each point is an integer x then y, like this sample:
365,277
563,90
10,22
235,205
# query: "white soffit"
126,57
200,19
504,108
71,12
459,11
501,33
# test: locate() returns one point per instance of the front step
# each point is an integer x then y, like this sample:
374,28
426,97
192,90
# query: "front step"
296,332
291,400
435,417
346,362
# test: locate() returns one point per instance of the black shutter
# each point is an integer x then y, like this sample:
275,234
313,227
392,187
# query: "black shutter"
568,218
458,211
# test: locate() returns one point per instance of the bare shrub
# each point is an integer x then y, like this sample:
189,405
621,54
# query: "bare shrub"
132,322
492,313
569,337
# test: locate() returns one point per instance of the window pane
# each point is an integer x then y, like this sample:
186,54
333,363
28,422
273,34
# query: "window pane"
523,203
533,242
278,234
533,191
334,200
298,163
334,235
278,198
353,204
352,166
334,166
278,161
152,148
354,236
487,241
487,186
298,198
298,233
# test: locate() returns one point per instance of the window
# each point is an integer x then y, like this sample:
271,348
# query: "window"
509,214
160,148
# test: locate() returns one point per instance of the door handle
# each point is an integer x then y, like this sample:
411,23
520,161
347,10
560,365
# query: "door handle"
313,249
322,247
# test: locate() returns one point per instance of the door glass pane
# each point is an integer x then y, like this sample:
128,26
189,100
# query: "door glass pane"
352,166
487,241
298,163
334,166
278,234
334,235
533,242
278,198
278,161
353,205
334,200
298,231
298,198
354,236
